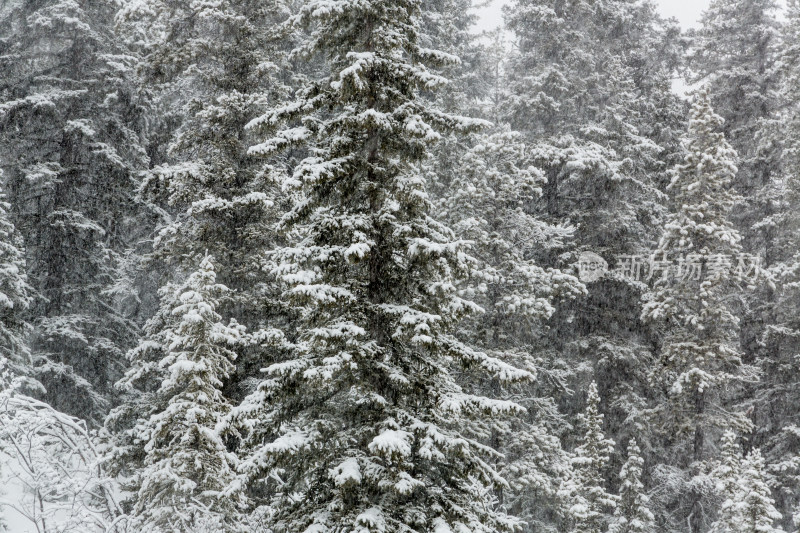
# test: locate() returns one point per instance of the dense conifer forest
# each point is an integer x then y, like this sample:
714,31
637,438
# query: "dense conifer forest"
351,266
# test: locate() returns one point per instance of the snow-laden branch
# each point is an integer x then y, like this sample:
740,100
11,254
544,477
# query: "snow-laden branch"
54,462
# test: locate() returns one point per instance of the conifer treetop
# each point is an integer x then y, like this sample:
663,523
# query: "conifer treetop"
700,187
758,507
363,426
594,504
633,514
187,480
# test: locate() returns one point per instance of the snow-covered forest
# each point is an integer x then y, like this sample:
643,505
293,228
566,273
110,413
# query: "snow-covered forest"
350,266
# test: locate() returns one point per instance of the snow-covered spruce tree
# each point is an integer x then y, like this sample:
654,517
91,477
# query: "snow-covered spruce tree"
216,66
747,504
488,200
757,507
218,61
485,187
68,122
778,421
181,471
595,104
633,513
363,427
591,458
734,54
573,94
728,478
15,295
700,360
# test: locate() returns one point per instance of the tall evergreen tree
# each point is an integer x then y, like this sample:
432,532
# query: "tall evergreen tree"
363,426
734,54
69,118
590,460
758,507
489,200
633,514
15,295
747,504
181,467
486,187
595,105
574,95
778,424
700,358
728,476
213,68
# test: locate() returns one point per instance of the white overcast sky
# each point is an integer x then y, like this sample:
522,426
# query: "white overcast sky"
686,11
